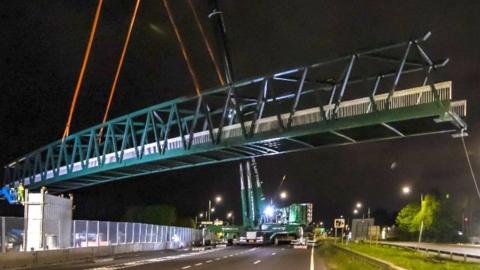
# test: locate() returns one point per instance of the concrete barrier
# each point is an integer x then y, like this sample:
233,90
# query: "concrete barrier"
47,257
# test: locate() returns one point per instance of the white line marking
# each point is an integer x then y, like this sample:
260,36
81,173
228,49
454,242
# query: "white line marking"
312,264
153,260
225,257
217,259
209,261
231,255
198,264
255,262
273,254
283,249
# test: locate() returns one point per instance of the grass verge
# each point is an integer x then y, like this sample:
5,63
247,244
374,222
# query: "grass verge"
336,259
411,259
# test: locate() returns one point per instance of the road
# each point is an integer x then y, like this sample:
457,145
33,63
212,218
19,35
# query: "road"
472,251
232,258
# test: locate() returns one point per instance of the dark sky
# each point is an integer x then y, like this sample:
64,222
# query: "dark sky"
42,45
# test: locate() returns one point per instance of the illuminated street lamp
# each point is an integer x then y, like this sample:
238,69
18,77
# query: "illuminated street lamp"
200,215
218,199
355,211
231,216
406,190
358,205
283,195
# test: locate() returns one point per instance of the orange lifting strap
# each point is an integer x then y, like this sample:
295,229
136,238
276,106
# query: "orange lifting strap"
120,64
182,47
82,70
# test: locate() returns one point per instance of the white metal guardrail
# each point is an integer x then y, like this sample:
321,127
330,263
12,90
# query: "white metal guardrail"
400,99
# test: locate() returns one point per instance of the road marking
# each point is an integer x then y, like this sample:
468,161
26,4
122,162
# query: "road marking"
255,262
231,255
282,249
217,259
198,264
225,257
209,261
312,264
153,260
273,254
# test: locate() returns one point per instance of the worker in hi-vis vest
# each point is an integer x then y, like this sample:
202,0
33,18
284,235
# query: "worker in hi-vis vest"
20,193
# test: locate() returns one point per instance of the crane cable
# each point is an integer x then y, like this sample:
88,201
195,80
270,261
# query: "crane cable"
66,132
119,67
207,44
472,173
196,84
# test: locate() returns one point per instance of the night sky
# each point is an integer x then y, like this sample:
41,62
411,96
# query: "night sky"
42,45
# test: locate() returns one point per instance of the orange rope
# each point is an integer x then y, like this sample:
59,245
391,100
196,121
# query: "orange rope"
82,70
182,47
207,44
120,64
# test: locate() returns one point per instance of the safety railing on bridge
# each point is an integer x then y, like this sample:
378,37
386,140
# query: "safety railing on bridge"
89,233
233,115
350,108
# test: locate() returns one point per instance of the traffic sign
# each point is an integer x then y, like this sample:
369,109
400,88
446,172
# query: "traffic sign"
339,223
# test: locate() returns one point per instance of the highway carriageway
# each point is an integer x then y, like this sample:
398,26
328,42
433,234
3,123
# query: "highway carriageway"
232,258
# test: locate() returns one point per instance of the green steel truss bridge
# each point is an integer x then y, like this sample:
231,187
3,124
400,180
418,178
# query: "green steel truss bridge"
375,94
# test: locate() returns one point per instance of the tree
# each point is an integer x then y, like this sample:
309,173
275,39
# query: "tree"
185,222
406,216
153,214
439,219
160,214
428,212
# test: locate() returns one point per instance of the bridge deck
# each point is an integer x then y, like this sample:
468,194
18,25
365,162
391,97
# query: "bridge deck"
292,110
310,128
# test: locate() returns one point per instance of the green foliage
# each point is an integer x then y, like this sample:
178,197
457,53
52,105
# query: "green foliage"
406,216
154,214
160,214
336,259
410,259
438,216
185,222
428,212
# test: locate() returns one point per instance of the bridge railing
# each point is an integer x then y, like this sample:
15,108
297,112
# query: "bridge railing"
91,233
350,108
277,101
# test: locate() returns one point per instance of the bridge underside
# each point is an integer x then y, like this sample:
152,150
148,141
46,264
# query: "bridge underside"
302,108
424,120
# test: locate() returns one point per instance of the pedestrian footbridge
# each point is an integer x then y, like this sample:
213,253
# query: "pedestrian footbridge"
292,110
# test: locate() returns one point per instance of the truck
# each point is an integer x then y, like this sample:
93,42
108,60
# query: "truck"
263,223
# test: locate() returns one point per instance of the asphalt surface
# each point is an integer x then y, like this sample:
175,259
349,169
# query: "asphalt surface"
232,258
473,251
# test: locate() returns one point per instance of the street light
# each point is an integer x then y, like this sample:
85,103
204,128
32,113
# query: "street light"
200,215
406,190
218,199
283,195
359,205
231,216
355,211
